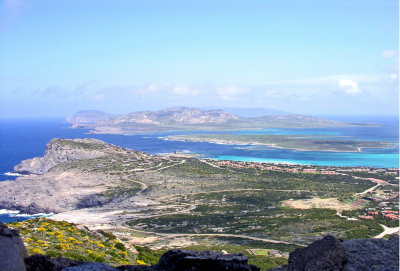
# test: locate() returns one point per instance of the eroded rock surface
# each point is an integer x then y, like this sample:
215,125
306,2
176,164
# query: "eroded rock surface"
60,151
55,192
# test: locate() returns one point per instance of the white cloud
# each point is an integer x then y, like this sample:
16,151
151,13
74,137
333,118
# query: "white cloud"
349,86
98,97
181,89
388,54
272,94
229,92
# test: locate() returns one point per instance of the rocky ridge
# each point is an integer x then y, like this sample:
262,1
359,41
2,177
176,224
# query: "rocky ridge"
174,115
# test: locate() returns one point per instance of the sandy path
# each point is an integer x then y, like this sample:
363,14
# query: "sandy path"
387,231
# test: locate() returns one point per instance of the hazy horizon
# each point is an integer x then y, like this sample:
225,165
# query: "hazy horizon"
306,57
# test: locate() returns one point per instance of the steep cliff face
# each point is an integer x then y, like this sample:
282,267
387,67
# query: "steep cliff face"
60,151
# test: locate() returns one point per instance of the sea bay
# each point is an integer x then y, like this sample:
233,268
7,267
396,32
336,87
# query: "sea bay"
23,139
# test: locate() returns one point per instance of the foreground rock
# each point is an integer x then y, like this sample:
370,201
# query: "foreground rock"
12,250
325,254
353,255
174,260
372,254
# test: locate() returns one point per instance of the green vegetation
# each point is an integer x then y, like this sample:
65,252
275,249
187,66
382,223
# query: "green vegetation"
63,239
81,145
219,205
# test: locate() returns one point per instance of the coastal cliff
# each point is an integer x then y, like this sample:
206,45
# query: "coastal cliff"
60,151
58,181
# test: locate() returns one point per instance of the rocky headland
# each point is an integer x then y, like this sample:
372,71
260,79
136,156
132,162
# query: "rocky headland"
60,151
51,187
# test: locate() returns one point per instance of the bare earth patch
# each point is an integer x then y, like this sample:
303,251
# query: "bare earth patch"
329,203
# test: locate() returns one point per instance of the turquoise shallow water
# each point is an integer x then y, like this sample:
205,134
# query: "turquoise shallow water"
24,139
388,160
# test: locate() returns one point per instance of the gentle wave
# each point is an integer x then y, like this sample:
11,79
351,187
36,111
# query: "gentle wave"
12,213
4,212
13,174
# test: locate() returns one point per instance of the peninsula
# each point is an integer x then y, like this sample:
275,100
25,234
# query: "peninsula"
297,142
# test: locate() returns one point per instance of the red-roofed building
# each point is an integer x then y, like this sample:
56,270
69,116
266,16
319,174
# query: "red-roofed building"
391,216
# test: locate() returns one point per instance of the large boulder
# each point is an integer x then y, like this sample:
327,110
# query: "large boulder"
372,254
325,254
91,267
12,250
40,262
182,260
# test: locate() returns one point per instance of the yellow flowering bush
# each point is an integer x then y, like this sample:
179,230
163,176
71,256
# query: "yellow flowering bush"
60,238
140,262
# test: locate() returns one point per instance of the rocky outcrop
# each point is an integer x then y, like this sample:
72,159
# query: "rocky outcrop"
325,254
39,262
12,250
56,191
173,260
182,260
372,254
60,151
352,255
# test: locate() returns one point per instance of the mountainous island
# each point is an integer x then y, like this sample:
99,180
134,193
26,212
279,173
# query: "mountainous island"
184,118
173,201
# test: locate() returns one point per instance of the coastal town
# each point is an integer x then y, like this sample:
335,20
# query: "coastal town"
372,204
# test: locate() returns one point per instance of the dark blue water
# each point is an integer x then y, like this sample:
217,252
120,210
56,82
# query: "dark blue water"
23,139
8,217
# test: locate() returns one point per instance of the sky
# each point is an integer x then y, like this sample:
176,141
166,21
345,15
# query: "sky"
318,57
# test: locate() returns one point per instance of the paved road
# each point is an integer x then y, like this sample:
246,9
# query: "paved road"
369,189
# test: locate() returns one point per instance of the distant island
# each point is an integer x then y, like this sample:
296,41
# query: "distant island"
193,119
297,142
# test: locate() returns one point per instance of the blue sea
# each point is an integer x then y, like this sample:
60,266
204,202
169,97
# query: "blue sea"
27,138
